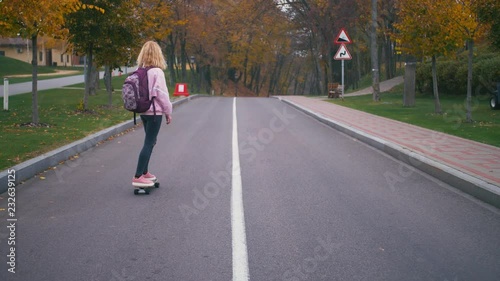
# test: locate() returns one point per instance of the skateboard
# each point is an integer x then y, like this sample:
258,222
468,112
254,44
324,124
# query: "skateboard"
146,190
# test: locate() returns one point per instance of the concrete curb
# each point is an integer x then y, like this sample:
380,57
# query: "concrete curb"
34,166
468,184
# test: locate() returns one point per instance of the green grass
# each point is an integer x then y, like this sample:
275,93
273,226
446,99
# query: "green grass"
11,67
485,128
58,109
366,81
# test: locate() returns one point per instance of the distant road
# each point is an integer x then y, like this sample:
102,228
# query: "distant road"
26,87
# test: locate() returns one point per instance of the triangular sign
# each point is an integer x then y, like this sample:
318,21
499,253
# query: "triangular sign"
343,38
342,53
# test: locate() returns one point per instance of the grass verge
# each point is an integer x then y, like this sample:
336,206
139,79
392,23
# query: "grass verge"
12,68
485,128
58,108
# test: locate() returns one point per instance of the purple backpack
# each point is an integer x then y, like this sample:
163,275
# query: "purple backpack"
135,92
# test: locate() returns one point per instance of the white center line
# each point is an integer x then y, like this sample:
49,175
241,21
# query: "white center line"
240,256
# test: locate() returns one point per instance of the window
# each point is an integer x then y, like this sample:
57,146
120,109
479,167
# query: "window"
62,58
40,56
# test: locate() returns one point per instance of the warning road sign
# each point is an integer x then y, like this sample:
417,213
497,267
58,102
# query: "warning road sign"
343,53
343,38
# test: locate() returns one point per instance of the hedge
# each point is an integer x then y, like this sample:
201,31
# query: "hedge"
452,75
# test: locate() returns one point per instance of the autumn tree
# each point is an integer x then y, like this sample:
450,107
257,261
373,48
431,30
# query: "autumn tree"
374,53
424,31
229,41
202,45
466,21
321,20
31,19
254,43
87,29
175,40
125,37
111,39
387,18
488,12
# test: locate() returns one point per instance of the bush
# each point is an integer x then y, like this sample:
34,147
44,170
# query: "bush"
423,81
452,75
485,75
452,78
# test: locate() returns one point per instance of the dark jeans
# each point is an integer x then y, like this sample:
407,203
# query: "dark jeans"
152,126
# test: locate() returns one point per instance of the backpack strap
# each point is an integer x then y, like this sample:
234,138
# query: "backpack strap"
152,99
154,108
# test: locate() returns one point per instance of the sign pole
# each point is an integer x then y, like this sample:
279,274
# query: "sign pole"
343,79
6,94
343,53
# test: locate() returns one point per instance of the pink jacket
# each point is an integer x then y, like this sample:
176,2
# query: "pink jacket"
158,89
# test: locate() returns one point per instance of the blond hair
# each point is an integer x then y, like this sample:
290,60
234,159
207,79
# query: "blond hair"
151,55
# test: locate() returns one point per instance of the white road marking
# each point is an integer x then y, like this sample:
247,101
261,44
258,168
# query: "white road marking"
240,256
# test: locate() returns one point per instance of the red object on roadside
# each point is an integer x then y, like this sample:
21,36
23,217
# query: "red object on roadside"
181,89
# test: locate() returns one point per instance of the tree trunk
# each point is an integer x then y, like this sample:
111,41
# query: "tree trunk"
195,77
374,54
275,75
437,103
470,46
107,83
316,81
207,78
88,77
358,70
409,84
329,77
389,60
94,80
183,59
34,93
171,58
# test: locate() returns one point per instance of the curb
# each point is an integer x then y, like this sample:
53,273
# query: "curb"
34,166
468,184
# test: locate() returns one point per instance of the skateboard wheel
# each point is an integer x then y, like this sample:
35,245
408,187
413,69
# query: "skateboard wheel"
141,191
157,184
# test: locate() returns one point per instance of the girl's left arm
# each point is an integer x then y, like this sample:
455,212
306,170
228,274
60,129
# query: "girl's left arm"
160,90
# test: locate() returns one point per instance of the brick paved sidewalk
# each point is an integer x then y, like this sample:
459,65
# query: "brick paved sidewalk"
479,161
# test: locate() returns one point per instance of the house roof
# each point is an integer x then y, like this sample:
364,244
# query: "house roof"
12,41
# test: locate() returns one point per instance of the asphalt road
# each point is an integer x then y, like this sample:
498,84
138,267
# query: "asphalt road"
318,205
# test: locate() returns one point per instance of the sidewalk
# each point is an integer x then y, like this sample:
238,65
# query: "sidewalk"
466,165
26,87
384,87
